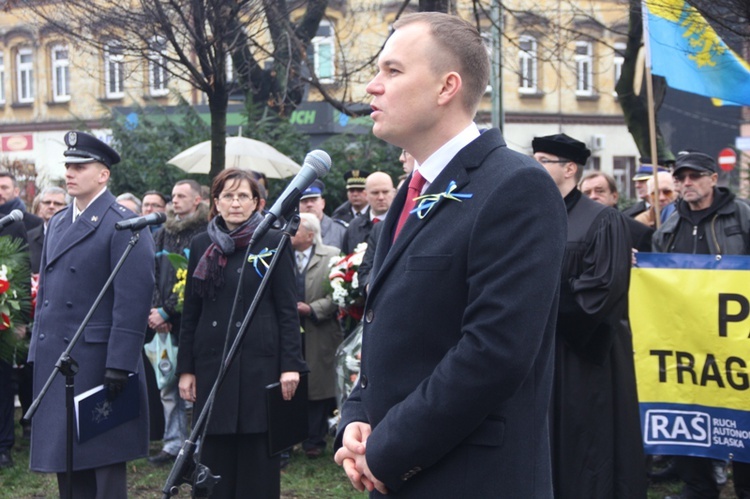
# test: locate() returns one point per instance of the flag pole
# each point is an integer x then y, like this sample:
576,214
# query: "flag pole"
651,118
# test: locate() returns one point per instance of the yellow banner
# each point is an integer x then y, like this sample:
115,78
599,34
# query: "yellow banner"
690,317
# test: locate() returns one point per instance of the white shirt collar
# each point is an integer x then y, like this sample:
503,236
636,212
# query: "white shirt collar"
307,252
381,217
77,212
357,212
437,162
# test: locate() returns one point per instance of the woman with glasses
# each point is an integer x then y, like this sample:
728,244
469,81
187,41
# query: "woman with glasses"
235,445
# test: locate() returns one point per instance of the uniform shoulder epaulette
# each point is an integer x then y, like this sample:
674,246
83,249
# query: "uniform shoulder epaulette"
341,222
121,210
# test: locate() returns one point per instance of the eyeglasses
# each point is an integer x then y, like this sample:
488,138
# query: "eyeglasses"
667,192
694,176
242,197
544,161
48,202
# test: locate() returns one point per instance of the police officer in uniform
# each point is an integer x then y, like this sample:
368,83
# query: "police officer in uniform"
356,199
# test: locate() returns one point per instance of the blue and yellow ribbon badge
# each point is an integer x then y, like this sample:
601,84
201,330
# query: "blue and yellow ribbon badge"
428,201
259,262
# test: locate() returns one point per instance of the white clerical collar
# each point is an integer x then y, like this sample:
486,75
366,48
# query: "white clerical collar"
77,212
437,162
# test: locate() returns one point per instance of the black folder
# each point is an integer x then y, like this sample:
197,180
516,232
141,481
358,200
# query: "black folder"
287,419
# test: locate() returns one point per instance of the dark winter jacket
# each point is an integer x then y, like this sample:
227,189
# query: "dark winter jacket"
724,229
174,237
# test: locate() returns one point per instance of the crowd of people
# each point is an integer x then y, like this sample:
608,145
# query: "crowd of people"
72,245
497,359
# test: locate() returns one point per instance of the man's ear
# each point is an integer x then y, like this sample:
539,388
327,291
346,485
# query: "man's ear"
571,168
451,86
104,175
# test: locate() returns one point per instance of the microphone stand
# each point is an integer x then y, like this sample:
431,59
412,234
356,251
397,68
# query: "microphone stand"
68,367
186,469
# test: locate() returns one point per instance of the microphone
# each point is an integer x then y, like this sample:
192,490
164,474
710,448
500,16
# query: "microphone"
13,216
138,223
317,164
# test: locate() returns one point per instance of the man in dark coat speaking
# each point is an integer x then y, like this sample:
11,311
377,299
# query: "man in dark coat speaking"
459,321
80,251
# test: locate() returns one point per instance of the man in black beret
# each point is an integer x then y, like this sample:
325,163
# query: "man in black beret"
594,421
80,251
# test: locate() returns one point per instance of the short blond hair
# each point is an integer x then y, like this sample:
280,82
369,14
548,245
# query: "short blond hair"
459,48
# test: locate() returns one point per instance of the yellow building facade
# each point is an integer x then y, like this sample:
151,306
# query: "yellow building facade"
559,58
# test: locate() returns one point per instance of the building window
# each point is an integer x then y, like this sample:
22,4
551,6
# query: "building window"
25,68
2,78
584,69
158,77
593,163
323,52
113,71
623,169
527,63
60,73
619,59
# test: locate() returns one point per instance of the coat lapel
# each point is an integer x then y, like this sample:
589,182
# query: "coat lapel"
315,259
456,170
67,233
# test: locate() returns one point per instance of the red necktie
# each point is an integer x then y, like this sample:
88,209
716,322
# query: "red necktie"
375,220
413,192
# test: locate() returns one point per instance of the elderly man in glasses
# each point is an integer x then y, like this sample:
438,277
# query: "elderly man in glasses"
666,196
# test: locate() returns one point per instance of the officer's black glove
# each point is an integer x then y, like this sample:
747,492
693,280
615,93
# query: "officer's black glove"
114,380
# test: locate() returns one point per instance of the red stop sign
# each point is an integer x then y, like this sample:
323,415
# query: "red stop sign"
727,159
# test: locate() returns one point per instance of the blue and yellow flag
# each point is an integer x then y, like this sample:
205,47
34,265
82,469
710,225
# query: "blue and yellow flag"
686,50
690,316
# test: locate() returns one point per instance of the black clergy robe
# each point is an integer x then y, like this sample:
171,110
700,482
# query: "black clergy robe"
596,438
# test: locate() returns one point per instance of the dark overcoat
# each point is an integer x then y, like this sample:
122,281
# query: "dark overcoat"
357,232
459,333
36,241
77,260
272,344
595,424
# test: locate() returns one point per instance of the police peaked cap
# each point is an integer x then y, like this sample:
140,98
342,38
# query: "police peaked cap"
314,191
355,179
85,148
562,146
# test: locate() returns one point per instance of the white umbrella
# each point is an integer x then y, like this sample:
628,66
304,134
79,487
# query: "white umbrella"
241,152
